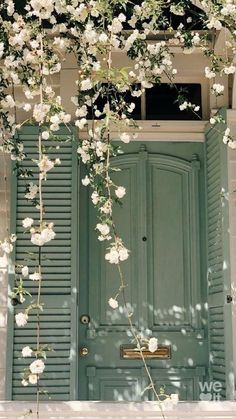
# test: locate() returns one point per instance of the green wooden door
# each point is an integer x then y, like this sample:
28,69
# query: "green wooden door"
160,223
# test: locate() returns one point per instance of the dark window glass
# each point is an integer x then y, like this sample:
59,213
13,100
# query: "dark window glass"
128,98
161,102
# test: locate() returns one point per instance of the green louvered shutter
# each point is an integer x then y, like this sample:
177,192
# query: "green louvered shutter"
59,274
218,269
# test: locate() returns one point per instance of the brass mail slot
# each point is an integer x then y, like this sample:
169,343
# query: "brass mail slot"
131,352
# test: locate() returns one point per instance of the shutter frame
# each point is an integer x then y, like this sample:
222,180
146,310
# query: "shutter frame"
69,299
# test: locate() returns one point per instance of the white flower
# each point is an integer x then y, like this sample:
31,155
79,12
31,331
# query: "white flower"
27,222
103,228
80,123
80,112
6,246
13,238
35,276
97,113
33,378
120,192
123,254
232,144
45,135
21,319
112,256
26,352
45,165
40,111
214,23
113,303
103,37
95,198
46,235
212,121
24,383
1,49
8,102
32,192
183,106
25,271
37,366
230,70
86,84
209,74
218,88
125,137
152,344
85,181
27,107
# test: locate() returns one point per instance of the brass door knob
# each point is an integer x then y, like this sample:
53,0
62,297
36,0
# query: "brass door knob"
84,351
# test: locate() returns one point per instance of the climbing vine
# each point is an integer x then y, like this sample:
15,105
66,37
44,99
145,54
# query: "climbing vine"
35,39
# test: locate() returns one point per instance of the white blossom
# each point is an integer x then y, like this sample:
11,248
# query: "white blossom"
152,344
86,85
25,271
24,383
46,235
80,112
214,23
26,352
112,256
80,123
35,276
125,137
120,192
230,70
113,303
85,181
45,165
6,246
209,74
45,135
32,192
27,222
33,378
21,319
37,366
103,228
40,112
95,198
218,88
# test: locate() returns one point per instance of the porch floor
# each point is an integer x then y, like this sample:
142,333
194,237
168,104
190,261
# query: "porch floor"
114,410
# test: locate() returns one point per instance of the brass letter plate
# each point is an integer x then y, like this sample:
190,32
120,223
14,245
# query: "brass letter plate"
131,352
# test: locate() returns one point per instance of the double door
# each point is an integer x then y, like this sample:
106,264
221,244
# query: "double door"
159,222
